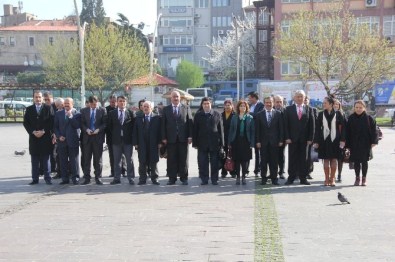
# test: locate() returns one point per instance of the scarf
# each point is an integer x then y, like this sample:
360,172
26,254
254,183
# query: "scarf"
332,130
242,124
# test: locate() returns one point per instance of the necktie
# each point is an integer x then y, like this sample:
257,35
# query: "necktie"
92,120
299,112
146,119
121,117
175,111
269,117
38,109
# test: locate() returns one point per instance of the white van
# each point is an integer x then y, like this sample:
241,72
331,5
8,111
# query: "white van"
198,94
14,105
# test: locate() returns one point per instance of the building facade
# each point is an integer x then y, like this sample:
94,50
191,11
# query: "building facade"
188,26
21,41
379,15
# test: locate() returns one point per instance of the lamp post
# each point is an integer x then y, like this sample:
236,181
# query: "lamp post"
81,32
238,59
152,57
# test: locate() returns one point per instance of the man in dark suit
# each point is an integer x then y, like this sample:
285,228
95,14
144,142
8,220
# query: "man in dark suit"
120,124
299,134
82,139
93,123
48,100
59,103
256,106
269,132
310,164
177,135
279,106
67,130
109,108
208,139
38,122
147,140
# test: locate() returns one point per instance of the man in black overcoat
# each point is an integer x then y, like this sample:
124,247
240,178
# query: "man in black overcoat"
38,122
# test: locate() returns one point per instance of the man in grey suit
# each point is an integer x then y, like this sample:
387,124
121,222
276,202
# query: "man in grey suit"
67,130
120,124
93,123
177,135
256,106
147,140
269,134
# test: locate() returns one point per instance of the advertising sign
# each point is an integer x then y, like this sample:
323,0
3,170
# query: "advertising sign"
385,93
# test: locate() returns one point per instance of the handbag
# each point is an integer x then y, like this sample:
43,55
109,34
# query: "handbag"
345,155
314,155
229,163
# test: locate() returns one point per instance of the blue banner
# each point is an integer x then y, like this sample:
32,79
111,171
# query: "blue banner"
385,93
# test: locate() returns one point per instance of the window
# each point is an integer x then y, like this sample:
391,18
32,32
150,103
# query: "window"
2,40
373,22
285,26
219,3
50,40
12,41
177,40
202,3
175,3
214,22
291,68
176,22
389,25
31,41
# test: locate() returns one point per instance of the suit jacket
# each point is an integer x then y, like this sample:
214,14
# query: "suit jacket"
33,121
250,129
296,129
208,131
108,131
180,126
68,128
153,137
100,123
258,108
115,127
269,135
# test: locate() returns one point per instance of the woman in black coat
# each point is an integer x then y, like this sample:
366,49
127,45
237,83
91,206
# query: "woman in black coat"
329,139
241,139
226,118
361,138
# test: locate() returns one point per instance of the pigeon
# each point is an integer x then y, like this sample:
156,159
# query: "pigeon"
342,198
20,153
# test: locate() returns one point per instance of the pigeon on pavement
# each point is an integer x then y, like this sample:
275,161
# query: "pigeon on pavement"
342,198
21,153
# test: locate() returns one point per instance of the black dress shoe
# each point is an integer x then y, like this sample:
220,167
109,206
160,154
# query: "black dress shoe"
155,182
57,176
64,182
263,182
98,181
223,175
48,182
275,183
123,174
282,176
115,182
169,183
215,183
112,175
131,182
86,182
305,182
243,181
141,183
184,183
289,182
33,183
204,183
76,182
309,177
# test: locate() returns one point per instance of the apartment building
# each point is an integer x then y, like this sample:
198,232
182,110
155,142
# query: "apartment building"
379,15
188,26
21,37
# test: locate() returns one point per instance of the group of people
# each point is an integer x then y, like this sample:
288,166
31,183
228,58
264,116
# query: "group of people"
58,132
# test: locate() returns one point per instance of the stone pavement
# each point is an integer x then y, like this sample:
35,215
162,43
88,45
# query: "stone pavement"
194,223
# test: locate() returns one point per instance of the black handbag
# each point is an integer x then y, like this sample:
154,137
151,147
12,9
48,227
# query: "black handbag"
229,163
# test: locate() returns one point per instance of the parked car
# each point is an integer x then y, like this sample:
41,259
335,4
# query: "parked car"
16,106
220,100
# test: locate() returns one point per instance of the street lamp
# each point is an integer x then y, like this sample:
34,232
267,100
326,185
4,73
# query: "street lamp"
238,59
81,31
152,56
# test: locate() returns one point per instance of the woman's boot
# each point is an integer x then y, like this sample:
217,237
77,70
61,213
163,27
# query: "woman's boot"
363,181
243,180
238,180
357,180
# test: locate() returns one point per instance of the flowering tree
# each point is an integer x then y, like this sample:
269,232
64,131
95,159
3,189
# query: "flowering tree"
333,44
223,57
